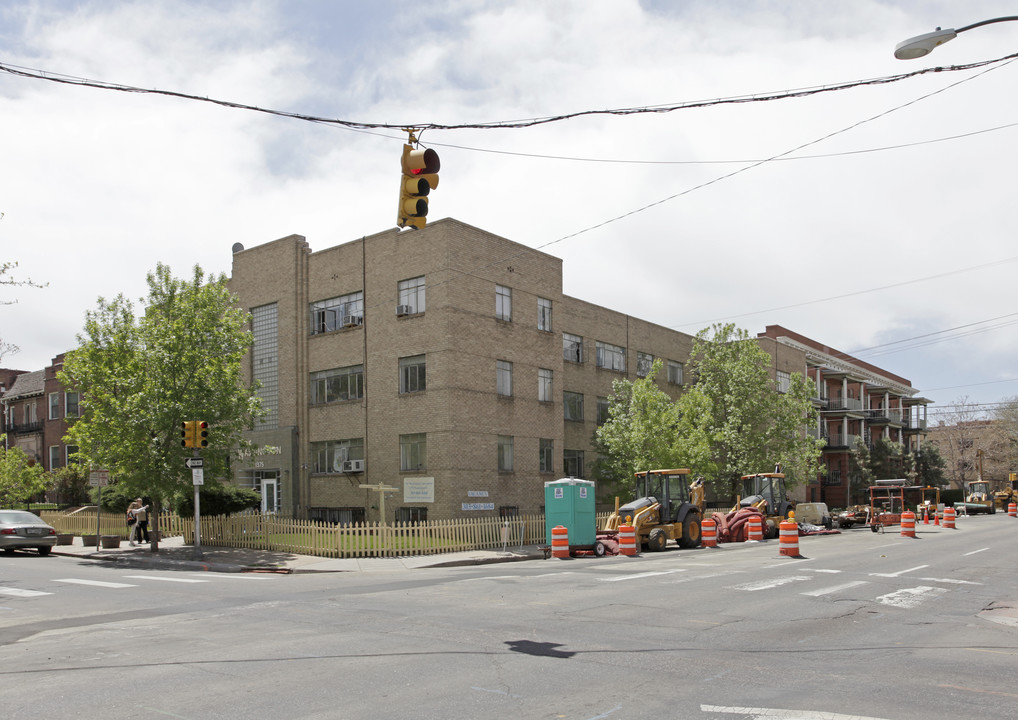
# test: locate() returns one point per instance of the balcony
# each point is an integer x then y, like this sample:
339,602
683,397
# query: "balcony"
24,428
841,441
882,416
845,404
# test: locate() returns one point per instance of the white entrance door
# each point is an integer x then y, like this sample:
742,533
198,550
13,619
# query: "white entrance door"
270,495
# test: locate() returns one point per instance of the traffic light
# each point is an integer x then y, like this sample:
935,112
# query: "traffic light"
420,177
201,438
187,433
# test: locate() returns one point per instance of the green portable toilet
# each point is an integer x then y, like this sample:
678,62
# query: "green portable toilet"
570,502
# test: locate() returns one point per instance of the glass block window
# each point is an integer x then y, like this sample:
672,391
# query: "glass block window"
265,363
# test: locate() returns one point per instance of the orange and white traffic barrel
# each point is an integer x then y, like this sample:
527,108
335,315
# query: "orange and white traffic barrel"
908,524
627,540
949,516
754,528
709,533
1012,509
560,542
788,537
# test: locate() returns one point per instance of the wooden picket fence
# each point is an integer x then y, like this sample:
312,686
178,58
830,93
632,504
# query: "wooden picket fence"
305,537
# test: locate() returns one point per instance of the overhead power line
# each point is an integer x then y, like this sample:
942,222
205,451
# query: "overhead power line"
37,74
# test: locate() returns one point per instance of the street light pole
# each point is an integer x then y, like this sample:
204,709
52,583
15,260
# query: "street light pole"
922,45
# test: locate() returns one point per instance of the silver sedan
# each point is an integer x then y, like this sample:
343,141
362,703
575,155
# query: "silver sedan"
21,529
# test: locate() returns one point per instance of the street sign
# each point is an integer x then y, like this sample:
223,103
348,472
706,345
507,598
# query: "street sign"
194,462
197,476
99,478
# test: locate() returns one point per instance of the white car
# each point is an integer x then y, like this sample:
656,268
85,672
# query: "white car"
20,529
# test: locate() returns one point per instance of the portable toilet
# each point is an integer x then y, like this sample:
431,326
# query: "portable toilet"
570,502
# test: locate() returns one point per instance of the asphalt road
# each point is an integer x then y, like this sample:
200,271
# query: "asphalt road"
865,626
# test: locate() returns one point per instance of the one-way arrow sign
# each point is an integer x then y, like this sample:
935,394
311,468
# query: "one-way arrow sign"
193,463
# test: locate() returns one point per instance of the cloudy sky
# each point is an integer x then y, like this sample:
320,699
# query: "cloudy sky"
878,219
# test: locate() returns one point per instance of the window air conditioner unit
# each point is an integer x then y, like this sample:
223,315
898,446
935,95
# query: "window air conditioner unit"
353,320
403,310
353,466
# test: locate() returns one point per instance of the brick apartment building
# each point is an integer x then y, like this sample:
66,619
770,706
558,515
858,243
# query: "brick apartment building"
856,400
36,408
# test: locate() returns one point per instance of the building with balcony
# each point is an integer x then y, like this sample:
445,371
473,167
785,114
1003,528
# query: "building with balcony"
857,401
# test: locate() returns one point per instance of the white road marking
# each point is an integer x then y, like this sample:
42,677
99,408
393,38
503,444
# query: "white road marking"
18,592
785,714
900,572
975,551
821,570
772,583
642,575
908,598
164,579
97,583
951,581
835,588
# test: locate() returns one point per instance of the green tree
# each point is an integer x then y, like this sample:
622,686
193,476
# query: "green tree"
639,434
735,421
930,466
141,377
219,500
21,479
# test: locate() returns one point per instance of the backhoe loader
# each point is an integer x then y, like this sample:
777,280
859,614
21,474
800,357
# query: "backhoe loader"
666,509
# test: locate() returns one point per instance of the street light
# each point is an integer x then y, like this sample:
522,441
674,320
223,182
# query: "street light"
921,45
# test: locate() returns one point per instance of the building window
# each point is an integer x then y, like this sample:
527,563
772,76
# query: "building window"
505,453
572,404
265,363
611,357
411,296
412,515
572,348
71,404
544,314
674,372
412,375
413,451
503,303
508,511
337,312
504,377
54,406
784,380
71,454
54,457
331,456
329,386
547,450
644,363
572,463
337,515
603,404
544,377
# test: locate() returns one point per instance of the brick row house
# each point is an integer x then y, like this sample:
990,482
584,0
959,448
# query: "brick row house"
35,413
856,400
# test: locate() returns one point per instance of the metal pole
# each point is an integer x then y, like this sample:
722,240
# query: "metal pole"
197,517
98,510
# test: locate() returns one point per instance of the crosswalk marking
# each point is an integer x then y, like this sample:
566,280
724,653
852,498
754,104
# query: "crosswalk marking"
835,588
18,592
641,575
164,579
97,583
900,572
771,583
908,598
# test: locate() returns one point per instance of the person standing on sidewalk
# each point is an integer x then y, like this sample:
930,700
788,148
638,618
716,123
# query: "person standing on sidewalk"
142,514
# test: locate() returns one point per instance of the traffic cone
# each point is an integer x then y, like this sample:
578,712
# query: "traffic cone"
926,515
936,518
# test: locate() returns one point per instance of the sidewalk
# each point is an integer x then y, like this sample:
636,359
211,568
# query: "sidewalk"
175,555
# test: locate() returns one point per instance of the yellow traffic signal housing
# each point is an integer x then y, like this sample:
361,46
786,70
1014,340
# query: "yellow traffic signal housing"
420,177
188,432
201,438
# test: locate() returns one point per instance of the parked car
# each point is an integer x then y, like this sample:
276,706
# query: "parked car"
22,529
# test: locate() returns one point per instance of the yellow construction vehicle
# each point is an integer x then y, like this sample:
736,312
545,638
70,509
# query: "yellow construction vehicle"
978,498
766,493
668,507
1003,498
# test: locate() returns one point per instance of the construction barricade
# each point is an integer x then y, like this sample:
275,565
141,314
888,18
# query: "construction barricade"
788,537
1012,509
949,516
754,528
709,533
560,542
908,524
627,540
